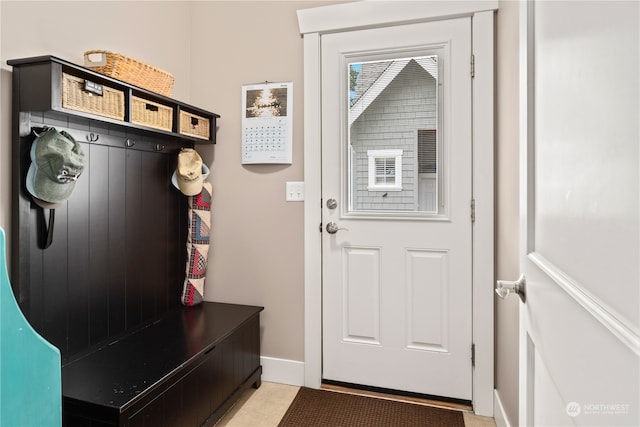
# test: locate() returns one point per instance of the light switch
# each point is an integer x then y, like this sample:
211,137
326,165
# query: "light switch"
295,191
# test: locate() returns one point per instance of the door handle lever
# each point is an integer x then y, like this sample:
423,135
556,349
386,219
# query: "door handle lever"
505,287
332,228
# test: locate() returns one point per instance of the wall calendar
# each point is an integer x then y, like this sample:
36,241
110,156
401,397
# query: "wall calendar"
267,123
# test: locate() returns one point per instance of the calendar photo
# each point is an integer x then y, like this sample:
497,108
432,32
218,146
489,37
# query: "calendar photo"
266,103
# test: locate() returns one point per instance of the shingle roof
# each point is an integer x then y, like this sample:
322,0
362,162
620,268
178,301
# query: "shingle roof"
379,84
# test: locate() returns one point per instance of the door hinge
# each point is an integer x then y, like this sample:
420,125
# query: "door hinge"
473,66
473,210
473,355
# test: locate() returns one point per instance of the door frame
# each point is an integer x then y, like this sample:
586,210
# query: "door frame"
315,22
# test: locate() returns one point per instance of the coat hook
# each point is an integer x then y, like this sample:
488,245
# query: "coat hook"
92,137
129,143
159,147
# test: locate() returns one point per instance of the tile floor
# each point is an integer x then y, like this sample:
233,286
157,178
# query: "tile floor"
266,406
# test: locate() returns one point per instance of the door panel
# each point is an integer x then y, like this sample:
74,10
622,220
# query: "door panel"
580,341
427,299
397,272
362,295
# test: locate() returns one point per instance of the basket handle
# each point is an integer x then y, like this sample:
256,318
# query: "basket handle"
89,62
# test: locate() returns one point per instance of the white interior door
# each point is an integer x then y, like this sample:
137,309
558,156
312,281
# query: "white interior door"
580,343
397,271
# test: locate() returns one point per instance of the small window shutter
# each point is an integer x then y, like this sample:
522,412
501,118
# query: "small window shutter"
427,151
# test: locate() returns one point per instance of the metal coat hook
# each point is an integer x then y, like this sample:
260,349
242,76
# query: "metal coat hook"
159,147
93,137
130,143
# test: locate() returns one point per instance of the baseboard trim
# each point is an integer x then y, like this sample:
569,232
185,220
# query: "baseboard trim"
499,415
282,371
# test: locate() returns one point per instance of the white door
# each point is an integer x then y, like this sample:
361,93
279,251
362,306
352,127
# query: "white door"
580,345
397,273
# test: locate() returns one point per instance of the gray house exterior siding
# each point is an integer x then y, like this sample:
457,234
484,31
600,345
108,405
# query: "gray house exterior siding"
407,104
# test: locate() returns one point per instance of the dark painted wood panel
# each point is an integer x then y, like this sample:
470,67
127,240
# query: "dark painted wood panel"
118,252
173,405
33,292
98,234
54,289
117,241
150,258
135,243
215,379
176,228
78,281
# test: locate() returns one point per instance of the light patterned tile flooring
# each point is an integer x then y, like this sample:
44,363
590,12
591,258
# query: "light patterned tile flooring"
266,406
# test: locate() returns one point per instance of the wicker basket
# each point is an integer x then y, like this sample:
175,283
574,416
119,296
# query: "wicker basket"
151,114
130,71
75,97
194,125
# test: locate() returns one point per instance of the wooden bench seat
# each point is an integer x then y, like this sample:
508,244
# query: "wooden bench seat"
185,369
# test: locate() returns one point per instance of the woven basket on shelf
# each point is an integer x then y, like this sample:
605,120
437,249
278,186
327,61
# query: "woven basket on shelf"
152,114
75,97
194,125
130,70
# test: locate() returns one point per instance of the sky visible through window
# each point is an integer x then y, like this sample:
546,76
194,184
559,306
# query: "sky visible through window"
353,68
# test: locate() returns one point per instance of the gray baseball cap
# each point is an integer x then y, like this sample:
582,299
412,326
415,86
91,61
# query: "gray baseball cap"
57,161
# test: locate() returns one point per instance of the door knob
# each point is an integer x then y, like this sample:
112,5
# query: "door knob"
332,228
505,287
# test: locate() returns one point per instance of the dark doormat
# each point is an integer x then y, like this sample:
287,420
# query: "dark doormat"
321,408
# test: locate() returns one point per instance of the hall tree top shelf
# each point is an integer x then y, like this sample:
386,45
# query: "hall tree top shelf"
41,89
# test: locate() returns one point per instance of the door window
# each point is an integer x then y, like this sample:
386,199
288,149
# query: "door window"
393,139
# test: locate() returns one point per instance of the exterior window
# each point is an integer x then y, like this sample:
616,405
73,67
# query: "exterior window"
385,170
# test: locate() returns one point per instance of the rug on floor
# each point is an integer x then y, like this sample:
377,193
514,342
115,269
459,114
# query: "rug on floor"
322,408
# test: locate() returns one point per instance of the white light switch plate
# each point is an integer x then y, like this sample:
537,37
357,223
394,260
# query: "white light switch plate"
295,191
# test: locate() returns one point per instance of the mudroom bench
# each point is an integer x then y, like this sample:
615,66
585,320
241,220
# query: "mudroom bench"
106,289
185,369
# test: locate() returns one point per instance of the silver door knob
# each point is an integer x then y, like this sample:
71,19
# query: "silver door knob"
505,287
332,203
332,228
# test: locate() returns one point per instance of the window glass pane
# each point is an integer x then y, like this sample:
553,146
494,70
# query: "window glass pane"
394,108
385,170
